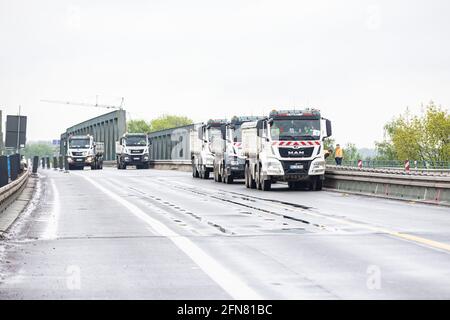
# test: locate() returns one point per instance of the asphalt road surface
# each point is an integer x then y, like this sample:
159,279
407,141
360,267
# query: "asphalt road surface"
148,234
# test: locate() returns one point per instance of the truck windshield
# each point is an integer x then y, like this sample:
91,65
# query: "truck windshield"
136,141
79,143
295,129
214,134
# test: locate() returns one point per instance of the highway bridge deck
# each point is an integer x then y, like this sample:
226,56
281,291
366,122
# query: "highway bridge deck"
155,234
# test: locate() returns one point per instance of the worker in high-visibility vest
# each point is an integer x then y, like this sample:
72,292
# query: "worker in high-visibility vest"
338,155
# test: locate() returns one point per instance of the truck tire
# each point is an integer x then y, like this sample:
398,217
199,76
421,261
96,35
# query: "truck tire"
93,166
266,185
217,176
146,166
247,184
316,184
202,172
258,178
251,181
195,173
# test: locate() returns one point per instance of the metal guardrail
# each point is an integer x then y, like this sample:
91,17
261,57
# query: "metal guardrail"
396,164
11,191
399,171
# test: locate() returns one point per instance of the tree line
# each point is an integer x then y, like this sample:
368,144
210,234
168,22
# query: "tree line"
161,123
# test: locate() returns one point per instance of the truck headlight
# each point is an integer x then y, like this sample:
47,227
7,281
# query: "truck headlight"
146,157
69,159
89,159
318,167
319,164
274,166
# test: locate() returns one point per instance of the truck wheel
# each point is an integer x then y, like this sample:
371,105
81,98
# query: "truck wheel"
146,166
195,173
247,184
205,174
258,179
251,181
93,166
138,167
217,177
316,184
266,185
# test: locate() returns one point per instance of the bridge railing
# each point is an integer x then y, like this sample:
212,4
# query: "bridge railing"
414,164
12,190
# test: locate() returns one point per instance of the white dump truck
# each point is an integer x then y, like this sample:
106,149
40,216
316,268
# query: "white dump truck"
286,146
83,151
229,161
203,139
133,149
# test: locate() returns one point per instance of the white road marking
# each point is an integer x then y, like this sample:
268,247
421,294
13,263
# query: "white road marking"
51,232
231,283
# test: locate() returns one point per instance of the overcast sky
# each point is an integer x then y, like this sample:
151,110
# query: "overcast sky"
359,62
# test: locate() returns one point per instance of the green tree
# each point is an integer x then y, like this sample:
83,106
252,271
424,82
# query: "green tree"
329,143
138,126
40,149
351,153
169,121
425,137
385,151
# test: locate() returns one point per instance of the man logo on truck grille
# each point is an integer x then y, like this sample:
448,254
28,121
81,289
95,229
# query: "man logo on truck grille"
296,153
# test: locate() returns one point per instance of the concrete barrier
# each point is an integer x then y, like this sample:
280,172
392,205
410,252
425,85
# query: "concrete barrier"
178,165
434,189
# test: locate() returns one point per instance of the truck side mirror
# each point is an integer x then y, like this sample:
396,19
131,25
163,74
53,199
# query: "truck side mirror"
260,127
223,131
328,126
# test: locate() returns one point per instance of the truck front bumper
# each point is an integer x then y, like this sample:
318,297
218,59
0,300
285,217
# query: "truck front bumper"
236,169
296,171
78,161
134,159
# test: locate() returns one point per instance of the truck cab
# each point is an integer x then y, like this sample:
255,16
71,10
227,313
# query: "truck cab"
83,151
229,160
205,139
132,149
286,146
